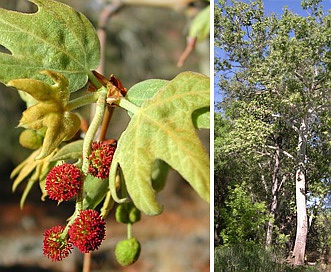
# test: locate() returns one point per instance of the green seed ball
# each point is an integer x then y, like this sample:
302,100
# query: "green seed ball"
127,251
121,214
134,215
30,139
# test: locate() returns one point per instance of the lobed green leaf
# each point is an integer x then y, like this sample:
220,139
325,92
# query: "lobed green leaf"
163,129
56,38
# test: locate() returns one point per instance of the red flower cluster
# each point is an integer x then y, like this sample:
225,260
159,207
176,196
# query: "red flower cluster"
101,158
56,247
63,182
87,231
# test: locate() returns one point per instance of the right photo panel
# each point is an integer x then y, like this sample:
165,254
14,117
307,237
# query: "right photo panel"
272,146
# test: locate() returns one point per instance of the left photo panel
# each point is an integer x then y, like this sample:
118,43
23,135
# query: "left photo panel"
105,139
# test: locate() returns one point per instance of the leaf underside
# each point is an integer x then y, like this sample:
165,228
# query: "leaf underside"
163,129
56,38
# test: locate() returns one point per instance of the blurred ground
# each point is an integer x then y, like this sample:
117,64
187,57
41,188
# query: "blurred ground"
177,240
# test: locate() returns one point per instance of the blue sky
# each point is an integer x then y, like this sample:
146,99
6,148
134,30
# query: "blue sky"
277,6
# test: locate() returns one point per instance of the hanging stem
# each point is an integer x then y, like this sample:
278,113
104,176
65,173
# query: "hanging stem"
107,12
89,137
129,230
92,130
92,78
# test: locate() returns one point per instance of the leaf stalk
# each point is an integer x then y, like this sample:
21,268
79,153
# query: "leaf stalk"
82,101
127,105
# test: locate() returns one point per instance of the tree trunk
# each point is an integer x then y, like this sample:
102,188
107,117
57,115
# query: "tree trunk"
300,194
274,203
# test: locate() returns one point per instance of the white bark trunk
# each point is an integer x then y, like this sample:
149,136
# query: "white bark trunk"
274,204
300,194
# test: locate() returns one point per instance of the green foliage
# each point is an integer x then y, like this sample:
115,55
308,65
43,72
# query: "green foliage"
146,89
244,220
55,38
34,170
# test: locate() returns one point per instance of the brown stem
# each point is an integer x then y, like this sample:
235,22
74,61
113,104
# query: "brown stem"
87,262
104,17
191,41
105,122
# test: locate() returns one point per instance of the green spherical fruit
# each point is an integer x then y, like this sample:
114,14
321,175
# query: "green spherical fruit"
127,251
30,139
134,215
121,214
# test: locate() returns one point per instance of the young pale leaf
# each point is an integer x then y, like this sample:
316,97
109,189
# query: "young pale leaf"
200,26
50,112
56,38
163,129
159,175
71,151
36,169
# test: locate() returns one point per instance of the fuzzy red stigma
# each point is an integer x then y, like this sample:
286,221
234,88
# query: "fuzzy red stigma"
63,182
56,247
100,159
87,231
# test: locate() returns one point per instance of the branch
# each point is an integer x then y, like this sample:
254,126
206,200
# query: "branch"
282,151
281,183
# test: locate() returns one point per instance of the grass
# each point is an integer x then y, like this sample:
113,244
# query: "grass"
251,258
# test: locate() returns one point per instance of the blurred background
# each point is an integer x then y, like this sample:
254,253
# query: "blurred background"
142,42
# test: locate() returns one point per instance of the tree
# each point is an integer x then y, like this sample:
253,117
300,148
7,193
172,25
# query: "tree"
281,64
243,219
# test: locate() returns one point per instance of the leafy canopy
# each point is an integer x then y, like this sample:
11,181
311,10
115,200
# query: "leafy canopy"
279,65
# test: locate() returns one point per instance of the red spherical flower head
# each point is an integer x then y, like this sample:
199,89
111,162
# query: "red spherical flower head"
56,247
87,231
101,158
63,182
